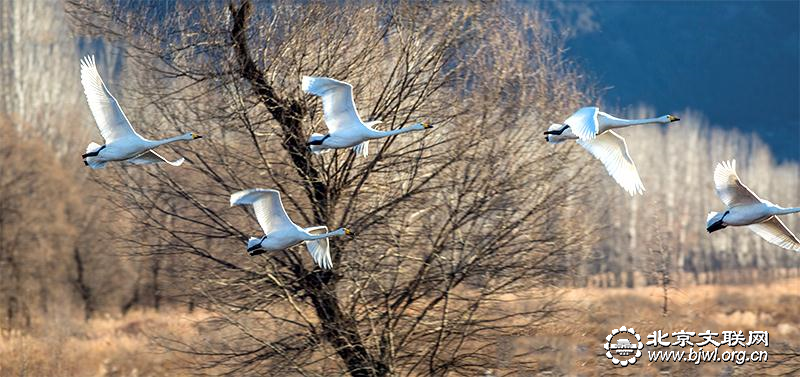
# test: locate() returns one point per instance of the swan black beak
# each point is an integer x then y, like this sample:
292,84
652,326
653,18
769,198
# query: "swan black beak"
673,118
716,226
197,136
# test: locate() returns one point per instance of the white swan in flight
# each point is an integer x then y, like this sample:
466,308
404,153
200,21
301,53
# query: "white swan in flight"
745,208
593,130
122,142
280,232
345,128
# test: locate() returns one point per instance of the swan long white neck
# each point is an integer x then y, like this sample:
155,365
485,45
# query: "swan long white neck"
156,143
786,211
320,236
609,122
337,232
379,134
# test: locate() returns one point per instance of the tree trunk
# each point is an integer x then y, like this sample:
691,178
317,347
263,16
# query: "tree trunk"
340,330
84,290
155,268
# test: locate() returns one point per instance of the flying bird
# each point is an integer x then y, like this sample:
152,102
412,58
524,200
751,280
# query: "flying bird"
745,208
593,130
345,127
280,232
122,143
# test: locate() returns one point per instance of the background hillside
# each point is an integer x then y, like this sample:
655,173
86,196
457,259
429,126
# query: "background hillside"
735,61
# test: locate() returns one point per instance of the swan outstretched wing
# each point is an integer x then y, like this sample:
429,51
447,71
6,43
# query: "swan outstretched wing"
110,119
362,149
729,188
267,207
775,232
152,157
320,249
612,151
338,106
584,123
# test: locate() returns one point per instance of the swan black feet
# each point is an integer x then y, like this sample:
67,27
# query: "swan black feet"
318,141
92,154
255,252
716,226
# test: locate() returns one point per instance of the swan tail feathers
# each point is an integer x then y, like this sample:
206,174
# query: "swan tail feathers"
92,147
94,163
254,247
317,147
714,222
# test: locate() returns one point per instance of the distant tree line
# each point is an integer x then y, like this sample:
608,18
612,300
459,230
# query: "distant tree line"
676,164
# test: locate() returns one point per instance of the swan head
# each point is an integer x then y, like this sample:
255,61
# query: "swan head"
191,136
343,232
422,126
714,221
666,119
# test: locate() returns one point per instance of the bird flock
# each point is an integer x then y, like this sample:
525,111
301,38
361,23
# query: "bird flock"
591,128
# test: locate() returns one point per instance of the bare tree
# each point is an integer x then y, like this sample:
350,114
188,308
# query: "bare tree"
451,224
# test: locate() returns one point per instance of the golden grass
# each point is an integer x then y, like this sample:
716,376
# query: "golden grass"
571,345
119,347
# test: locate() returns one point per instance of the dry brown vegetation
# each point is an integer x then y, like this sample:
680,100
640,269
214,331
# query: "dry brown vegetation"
476,248
569,344
103,347
577,342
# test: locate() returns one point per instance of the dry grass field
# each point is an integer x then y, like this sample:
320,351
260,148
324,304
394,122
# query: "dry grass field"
571,345
119,347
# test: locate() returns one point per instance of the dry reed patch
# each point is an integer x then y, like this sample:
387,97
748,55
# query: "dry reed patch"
109,346
591,313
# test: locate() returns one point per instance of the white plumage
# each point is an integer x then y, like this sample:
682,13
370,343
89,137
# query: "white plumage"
122,143
611,150
280,232
745,208
730,188
338,106
345,127
584,123
593,130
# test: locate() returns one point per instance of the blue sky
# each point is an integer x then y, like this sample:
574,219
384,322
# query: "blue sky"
736,62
